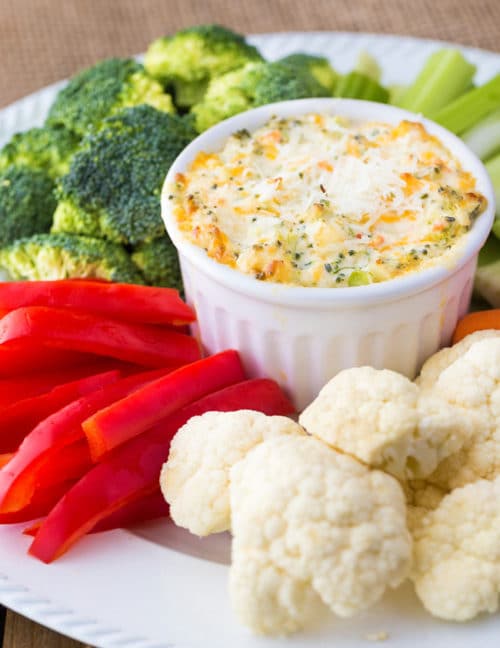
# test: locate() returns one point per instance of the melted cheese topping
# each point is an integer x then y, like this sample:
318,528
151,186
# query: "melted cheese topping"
320,201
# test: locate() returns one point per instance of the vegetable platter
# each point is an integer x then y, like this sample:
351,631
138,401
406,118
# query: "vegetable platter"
157,585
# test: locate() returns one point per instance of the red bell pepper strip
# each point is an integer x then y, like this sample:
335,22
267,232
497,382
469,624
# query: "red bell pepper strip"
124,419
143,344
133,469
128,302
41,504
149,507
25,357
39,454
5,458
20,418
27,385
144,509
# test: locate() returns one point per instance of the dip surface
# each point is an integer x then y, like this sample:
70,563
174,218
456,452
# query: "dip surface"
318,200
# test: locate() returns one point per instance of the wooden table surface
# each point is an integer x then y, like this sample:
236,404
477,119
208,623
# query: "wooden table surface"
42,41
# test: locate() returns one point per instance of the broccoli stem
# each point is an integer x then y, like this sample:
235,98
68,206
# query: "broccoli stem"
469,109
445,76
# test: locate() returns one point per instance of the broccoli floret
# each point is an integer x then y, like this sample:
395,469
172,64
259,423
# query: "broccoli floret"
49,148
318,66
27,203
103,90
159,263
61,256
254,85
113,187
189,59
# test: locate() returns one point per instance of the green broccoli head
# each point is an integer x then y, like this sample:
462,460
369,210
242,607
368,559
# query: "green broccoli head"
318,66
159,263
189,59
27,203
104,89
254,85
113,187
62,256
48,148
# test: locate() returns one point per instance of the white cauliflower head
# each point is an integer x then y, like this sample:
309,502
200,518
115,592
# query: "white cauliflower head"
471,384
441,360
456,555
195,478
316,521
381,418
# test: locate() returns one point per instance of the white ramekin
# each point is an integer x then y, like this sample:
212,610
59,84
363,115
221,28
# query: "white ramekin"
303,336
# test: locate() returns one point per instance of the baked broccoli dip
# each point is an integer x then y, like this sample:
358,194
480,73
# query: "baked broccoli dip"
319,200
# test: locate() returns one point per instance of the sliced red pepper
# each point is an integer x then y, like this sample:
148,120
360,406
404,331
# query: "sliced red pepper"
41,504
5,458
25,357
112,426
129,302
39,453
20,418
148,507
143,344
27,385
133,469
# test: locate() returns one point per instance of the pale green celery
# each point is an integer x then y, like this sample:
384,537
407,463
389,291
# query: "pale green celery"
487,279
469,109
368,65
396,93
445,76
356,85
484,139
359,278
493,168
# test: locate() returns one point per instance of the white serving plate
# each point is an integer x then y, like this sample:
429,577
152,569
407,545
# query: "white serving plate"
158,586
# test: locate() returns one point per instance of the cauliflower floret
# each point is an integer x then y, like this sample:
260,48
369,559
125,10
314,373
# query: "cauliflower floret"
195,479
321,520
441,360
471,384
268,599
381,418
456,556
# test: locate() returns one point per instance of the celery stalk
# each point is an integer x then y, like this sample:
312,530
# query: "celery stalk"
368,65
484,139
469,109
356,85
487,279
445,76
493,168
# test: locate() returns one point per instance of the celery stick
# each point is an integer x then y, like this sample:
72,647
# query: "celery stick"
484,139
356,85
368,65
445,76
493,168
487,279
396,93
469,109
